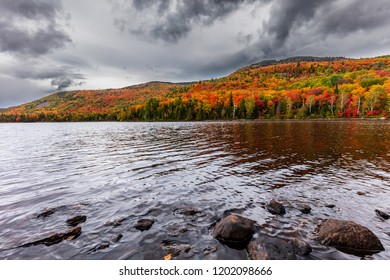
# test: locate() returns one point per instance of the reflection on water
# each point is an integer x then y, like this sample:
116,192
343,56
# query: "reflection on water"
185,176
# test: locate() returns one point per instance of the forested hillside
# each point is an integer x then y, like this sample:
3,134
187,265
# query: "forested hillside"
287,89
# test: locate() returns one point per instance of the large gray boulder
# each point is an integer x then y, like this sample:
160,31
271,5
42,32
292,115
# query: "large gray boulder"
348,237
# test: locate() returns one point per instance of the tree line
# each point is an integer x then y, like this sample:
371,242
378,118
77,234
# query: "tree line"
332,89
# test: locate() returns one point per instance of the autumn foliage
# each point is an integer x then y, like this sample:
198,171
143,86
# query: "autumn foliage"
340,88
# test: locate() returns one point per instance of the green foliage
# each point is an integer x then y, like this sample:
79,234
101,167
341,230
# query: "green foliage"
242,109
368,82
335,80
250,107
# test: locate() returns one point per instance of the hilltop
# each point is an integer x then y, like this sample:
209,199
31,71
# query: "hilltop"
297,87
295,59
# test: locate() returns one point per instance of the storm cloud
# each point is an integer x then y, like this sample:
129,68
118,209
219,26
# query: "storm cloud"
170,20
299,24
31,27
61,77
68,45
288,27
344,17
65,82
289,15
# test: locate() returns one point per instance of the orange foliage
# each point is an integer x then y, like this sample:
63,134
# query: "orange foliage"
325,87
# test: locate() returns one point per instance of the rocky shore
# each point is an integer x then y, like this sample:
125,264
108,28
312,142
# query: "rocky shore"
238,232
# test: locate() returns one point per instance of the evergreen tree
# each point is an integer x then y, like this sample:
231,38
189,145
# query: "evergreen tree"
200,113
242,109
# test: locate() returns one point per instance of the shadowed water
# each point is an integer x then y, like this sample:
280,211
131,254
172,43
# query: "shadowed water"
185,176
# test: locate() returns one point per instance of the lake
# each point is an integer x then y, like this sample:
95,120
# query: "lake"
186,176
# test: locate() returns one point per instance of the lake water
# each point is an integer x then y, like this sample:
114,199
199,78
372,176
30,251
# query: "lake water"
185,176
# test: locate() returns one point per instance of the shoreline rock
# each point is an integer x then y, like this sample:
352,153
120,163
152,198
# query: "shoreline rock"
381,214
144,224
305,209
275,248
300,247
234,230
75,221
116,237
115,223
176,248
98,247
348,237
56,238
46,213
275,207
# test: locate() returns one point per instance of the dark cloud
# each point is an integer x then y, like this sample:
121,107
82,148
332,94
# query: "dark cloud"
32,80
33,9
288,15
61,77
144,4
288,27
244,39
172,20
20,41
344,18
44,72
64,82
226,64
307,24
31,27
181,40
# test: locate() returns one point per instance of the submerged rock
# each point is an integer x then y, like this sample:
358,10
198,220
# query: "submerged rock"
330,205
234,230
56,238
348,237
144,224
116,237
46,213
305,209
270,248
186,212
300,247
68,235
275,207
381,214
275,248
175,248
115,223
74,221
209,250
98,247
177,229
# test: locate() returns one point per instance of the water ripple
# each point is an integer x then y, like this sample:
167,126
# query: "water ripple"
186,176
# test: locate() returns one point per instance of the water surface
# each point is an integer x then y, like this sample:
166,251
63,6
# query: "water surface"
185,176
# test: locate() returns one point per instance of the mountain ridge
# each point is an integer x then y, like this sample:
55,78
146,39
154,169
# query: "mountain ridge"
295,59
295,87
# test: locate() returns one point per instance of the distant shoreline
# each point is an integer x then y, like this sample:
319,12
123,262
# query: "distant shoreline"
211,121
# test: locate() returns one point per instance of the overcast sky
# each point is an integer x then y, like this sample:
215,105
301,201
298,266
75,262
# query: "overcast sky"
52,45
